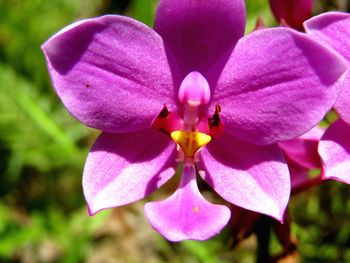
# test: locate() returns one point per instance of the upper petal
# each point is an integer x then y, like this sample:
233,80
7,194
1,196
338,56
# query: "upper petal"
277,85
186,214
334,149
251,176
200,34
332,28
111,72
123,168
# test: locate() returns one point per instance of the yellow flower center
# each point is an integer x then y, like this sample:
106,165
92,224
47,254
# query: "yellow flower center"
190,142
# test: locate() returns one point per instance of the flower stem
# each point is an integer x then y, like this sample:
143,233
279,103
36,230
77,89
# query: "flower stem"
263,239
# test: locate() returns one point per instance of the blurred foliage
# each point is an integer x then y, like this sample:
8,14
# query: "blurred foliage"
43,217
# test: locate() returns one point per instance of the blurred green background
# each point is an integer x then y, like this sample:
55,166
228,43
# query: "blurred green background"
43,216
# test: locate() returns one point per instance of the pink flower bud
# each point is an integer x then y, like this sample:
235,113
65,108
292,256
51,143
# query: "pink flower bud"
194,89
292,12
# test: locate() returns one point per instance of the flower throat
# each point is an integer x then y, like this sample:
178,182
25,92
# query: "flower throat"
190,133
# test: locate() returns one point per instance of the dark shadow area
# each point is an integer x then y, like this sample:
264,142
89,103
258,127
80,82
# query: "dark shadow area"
114,7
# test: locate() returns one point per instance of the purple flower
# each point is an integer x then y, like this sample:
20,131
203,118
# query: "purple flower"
333,30
292,12
224,99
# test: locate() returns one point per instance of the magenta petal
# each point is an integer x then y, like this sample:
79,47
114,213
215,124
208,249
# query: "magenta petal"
186,214
277,85
332,28
250,176
302,155
123,168
298,174
303,150
110,72
334,149
200,34
342,105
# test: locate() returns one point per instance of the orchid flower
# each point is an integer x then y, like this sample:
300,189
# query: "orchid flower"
333,30
292,12
193,91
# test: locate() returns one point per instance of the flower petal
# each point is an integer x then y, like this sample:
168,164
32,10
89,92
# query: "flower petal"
110,72
277,85
250,176
334,149
123,168
186,214
298,174
302,155
201,33
332,28
303,150
342,105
